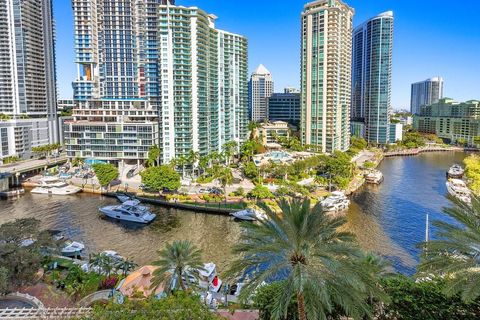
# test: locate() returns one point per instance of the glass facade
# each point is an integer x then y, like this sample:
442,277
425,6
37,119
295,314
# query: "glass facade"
372,77
151,68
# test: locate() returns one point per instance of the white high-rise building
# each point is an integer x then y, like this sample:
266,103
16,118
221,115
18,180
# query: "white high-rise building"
326,59
27,77
153,73
425,93
260,88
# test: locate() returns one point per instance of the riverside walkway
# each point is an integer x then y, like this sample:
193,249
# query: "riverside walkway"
416,151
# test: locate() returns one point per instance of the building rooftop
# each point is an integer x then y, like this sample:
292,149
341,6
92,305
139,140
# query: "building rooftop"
261,70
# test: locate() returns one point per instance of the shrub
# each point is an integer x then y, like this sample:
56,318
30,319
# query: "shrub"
260,192
108,283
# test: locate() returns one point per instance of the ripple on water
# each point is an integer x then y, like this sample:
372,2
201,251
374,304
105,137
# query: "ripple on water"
388,219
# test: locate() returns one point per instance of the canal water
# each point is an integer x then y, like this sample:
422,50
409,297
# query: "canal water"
388,219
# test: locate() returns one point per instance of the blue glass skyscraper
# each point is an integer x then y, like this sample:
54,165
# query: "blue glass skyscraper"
372,77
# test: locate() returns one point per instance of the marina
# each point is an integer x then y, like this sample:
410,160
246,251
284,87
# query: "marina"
388,218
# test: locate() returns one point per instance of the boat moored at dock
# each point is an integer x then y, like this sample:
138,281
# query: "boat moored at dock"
337,202
249,215
55,186
130,210
374,177
458,189
456,171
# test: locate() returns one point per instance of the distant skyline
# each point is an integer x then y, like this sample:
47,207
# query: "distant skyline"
430,39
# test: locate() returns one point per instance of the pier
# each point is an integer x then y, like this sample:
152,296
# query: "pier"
417,151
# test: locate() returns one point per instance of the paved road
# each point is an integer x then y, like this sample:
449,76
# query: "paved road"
28,165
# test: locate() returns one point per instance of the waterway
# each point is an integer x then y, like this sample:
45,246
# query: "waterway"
388,219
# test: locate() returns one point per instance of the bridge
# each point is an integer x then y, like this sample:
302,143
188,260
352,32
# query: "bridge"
32,165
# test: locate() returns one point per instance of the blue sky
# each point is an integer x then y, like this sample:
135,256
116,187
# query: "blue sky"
432,37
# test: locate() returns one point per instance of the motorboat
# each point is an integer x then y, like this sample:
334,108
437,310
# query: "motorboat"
374,177
208,278
130,210
456,171
337,202
72,249
249,215
113,255
55,186
458,189
123,197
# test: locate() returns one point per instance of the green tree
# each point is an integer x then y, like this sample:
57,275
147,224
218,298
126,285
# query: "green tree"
193,159
181,161
4,281
318,262
454,255
225,177
105,172
248,149
178,306
126,265
260,192
77,162
250,170
423,300
153,156
229,150
472,171
159,178
178,266
23,261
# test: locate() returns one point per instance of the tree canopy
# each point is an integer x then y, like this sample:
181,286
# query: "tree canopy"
21,246
179,306
159,178
472,170
106,173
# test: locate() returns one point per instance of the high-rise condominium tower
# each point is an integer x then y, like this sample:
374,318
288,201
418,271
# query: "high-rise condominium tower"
152,73
372,77
425,93
260,88
326,74
27,77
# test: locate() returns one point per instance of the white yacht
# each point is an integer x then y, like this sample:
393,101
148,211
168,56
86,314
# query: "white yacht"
249,215
53,185
459,190
455,171
123,197
374,177
72,249
337,202
208,278
130,210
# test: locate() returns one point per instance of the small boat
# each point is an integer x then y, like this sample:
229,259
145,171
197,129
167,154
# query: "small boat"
249,215
112,254
374,177
337,202
208,278
459,190
123,197
73,249
55,186
455,171
131,211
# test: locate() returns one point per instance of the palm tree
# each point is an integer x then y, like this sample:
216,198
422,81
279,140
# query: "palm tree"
229,149
103,263
454,256
178,263
303,246
181,161
225,177
126,266
192,159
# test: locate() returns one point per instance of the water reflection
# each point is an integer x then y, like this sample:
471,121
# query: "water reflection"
388,219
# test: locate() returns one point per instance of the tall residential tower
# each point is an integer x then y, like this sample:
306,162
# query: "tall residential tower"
27,77
425,93
326,57
152,73
372,77
260,88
